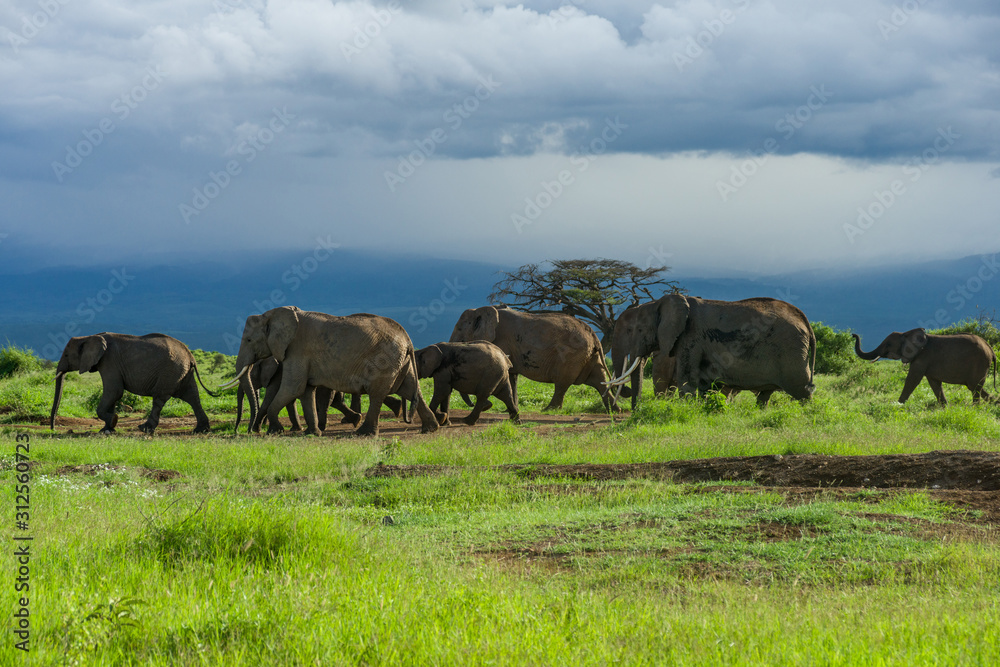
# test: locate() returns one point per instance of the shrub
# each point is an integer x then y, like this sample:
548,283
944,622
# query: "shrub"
981,326
834,349
17,361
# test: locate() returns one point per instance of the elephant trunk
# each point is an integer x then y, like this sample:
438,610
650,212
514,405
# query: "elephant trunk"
637,383
252,392
60,377
867,356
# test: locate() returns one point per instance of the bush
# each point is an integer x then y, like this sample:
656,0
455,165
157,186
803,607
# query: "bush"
981,326
834,349
17,361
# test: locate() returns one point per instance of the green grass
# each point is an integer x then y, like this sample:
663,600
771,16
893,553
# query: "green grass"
278,550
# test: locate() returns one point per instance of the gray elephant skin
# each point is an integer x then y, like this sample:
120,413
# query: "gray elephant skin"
759,344
950,359
545,347
479,368
153,365
360,353
266,375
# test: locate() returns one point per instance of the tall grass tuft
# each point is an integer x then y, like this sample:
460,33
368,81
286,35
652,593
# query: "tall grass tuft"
18,361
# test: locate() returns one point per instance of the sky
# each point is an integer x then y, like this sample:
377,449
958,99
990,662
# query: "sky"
719,137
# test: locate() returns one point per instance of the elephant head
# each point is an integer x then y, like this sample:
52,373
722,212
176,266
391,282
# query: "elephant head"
903,346
428,360
476,324
644,329
267,335
83,354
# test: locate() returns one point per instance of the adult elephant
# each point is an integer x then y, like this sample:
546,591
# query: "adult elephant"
760,344
152,365
266,375
545,347
360,353
950,359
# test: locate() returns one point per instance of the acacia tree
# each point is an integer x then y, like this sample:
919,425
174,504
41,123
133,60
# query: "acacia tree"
595,290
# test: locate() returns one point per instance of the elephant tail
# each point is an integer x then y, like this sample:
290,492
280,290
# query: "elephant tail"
811,387
198,376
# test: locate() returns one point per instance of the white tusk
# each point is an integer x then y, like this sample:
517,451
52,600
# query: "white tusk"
235,380
624,376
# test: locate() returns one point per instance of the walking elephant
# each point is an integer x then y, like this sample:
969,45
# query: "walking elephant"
760,344
360,353
266,375
479,368
950,359
545,347
152,365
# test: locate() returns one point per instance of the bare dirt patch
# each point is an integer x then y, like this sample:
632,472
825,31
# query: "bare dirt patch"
155,474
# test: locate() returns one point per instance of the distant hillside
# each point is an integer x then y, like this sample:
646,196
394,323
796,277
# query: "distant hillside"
204,303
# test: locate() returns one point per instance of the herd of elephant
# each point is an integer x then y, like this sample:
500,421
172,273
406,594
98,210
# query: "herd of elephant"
761,345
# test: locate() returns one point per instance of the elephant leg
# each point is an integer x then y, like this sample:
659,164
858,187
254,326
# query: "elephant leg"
442,392
293,417
153,420
189,394
240,394
557,396
762,397
394,404
285,394
482,403
410,386
106,408
939,392
308,399
350,416
323,398
596,379
913,378
370,425
504,393
356,402
512,376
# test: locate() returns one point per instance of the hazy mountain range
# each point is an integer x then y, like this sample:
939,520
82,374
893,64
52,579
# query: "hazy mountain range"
204,302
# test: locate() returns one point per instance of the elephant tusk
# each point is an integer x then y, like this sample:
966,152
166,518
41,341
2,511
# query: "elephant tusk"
235,380
625,376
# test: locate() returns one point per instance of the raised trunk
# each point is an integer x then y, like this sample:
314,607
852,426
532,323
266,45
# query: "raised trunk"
58,397
867,356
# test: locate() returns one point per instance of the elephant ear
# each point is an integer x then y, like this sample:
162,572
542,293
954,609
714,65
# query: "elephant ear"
485,326
914,342
673,316
429,360
282,323
91,351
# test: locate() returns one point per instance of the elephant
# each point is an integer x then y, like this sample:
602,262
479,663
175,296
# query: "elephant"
154,365
478,368
950,359
267,375
360,353
759,344
662,371
545,347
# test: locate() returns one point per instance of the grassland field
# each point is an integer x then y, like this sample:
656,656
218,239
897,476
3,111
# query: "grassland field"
228,548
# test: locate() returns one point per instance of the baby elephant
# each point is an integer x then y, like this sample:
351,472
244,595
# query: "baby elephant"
478,368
